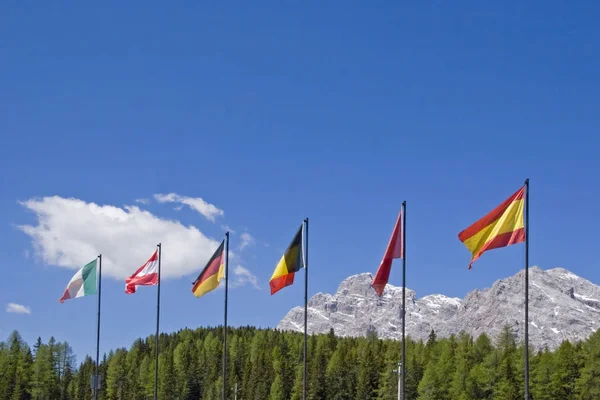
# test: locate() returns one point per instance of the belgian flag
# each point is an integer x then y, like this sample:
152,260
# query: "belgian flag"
211,275
291,262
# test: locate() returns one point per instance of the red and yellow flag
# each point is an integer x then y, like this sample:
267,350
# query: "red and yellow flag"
211,275
502,227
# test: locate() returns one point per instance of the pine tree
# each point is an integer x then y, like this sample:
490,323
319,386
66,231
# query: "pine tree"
276,392
167,382
507,379
298,383
368,371
567,363
135,390
116,382
541,371
86,370
414,368
481,378
587,386
146,376
16,369
388,380
464,363
262,367
185,363
318,369
340,373
36,346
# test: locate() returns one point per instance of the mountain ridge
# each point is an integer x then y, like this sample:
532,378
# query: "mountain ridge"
562,306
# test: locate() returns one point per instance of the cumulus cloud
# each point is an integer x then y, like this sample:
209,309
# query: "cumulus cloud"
71,232
17,308
142,201
243,276
209,211
246,239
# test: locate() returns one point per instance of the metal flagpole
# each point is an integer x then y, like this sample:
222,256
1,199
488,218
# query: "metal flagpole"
527,289
304,386
225,316
96,372
403,366
157,326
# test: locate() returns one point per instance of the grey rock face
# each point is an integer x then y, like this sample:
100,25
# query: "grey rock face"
562,306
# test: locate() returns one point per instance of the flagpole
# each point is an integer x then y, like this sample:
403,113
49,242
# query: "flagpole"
157,326
305,309
403,367
225,316
96,374
527,289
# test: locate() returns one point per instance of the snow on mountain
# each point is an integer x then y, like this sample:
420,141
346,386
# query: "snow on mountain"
562,306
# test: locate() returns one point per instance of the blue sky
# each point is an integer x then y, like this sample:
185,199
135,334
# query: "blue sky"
272,113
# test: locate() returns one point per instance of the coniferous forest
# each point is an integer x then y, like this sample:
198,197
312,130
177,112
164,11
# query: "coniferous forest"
267,364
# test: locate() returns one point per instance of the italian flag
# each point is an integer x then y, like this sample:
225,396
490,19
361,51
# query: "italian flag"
83,283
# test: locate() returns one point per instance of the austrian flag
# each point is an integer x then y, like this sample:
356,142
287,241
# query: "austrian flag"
146,275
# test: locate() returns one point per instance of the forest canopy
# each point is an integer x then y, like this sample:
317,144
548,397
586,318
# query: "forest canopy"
266,364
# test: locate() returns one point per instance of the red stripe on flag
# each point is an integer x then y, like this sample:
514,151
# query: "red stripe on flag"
144,280
502,240
491,217
143,276
66,296
281,282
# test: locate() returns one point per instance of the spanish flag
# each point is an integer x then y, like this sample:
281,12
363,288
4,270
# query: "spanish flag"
211,275
291,261
502,227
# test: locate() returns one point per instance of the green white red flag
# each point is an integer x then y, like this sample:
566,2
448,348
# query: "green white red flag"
83,283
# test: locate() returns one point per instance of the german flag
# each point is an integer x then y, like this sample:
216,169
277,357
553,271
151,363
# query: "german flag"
502,227
211,275
291,261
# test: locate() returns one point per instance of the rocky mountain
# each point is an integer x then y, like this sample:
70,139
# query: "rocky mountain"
562,306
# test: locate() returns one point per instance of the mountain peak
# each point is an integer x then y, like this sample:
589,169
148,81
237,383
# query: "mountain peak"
562,306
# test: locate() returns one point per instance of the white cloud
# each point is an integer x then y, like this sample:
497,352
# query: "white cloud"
17,308
246,239
71,232
142,201
209,211
243,276
227,228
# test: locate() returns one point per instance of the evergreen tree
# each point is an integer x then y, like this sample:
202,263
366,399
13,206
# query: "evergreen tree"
587,386
464,363
277,389
368,371
414,368
116,382
541,372
167,383
388,381
317,387
507,377
567,363
298,383
339,373
267,364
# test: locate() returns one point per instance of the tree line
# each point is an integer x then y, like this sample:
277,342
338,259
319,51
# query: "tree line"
266,364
